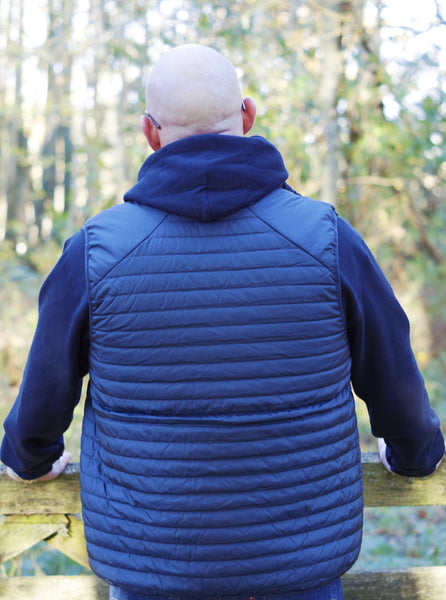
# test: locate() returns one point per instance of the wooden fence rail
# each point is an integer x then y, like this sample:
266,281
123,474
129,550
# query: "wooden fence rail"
50,511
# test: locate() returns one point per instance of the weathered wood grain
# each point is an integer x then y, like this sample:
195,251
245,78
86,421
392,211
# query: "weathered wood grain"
18,533
381,488
58,496
71,542
418,583
422,583
56,587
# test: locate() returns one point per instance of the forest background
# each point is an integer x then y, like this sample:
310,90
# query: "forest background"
353,94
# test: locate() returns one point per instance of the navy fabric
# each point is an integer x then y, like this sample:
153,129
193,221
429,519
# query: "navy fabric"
208,434
207,177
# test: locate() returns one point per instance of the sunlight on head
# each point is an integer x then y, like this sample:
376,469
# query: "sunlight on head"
193,89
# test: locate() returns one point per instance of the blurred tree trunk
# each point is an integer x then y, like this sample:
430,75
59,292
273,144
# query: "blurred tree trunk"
57,148
18,168
364,91
332,64
95,113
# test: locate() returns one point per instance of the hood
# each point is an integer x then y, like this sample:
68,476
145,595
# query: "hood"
207,177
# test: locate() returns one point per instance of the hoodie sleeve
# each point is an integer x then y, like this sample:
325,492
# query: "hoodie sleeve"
384,371
57,362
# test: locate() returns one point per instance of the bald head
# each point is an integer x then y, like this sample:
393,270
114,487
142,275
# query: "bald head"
192,90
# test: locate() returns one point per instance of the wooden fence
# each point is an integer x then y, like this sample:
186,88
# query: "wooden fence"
50,511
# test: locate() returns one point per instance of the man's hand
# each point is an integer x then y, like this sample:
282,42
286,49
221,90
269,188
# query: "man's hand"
57,468
382,454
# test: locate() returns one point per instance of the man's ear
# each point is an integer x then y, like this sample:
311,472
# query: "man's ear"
151,133
249,114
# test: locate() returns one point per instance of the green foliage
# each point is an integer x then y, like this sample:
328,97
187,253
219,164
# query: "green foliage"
18,292
404,537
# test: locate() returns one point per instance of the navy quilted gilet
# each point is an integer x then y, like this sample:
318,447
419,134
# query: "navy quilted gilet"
220,452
